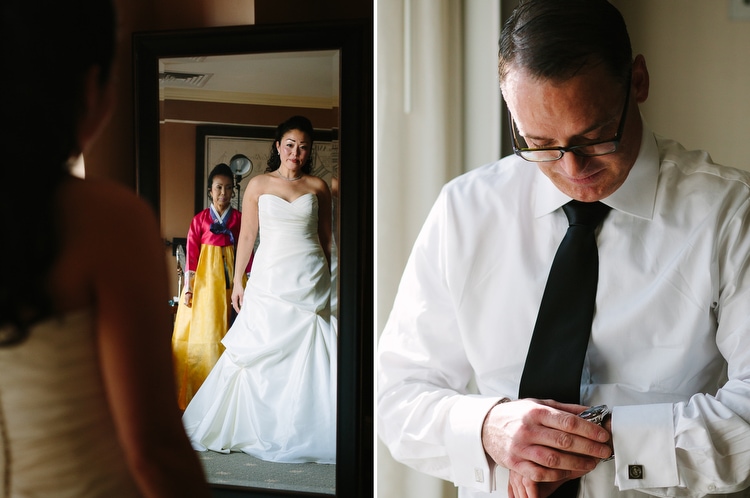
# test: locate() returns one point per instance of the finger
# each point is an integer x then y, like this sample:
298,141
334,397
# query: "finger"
571,422
526,488
566,432
515,486
547,442
530,488
577,453
546,458
573,408
511,494
539,473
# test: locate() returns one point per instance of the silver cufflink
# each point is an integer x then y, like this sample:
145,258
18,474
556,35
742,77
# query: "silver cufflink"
635,471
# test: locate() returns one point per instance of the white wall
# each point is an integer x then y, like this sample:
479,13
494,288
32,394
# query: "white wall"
699,62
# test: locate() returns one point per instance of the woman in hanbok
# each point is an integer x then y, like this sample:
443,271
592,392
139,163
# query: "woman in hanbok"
204,312
272,394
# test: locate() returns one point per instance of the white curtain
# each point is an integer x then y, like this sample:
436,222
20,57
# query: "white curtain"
437,108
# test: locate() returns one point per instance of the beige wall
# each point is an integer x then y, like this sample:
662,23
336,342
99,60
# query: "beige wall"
113,155
699,62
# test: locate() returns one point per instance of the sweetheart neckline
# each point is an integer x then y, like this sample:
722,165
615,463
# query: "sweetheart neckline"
282,199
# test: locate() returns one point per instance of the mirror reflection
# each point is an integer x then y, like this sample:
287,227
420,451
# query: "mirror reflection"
271,399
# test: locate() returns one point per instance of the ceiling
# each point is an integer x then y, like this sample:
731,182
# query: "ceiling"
308,79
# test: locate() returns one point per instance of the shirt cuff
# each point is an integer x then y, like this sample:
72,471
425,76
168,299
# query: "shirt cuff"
471,467
643,437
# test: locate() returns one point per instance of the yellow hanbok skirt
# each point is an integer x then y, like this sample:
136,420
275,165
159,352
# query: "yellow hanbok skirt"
196,339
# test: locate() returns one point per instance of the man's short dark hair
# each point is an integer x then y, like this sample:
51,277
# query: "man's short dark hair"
556,39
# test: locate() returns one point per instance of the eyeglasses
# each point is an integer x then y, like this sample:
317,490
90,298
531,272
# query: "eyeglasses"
547,154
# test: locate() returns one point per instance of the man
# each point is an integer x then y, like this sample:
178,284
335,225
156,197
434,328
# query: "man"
669,345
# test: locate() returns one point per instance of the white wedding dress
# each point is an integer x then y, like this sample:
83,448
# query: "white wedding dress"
57,435
272,393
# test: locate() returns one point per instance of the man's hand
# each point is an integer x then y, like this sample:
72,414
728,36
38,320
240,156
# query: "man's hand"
543,441
523,487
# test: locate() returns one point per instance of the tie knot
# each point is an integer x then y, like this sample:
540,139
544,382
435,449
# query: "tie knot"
588,214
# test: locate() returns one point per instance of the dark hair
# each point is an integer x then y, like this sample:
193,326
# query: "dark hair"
220,169
49,46
300,123
555,39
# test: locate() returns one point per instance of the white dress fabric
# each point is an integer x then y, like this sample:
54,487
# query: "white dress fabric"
58,437
272,394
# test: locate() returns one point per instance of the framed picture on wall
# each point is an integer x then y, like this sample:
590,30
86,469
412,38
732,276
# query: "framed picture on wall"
246,149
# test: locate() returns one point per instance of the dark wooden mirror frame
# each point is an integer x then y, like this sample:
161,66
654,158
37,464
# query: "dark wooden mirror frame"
353,38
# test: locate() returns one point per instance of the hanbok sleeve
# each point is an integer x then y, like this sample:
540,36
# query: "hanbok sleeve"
195,234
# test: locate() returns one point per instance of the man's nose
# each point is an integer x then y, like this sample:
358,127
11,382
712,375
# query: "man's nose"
573,164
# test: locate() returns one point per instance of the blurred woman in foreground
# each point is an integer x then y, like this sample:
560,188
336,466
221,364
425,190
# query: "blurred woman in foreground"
87,399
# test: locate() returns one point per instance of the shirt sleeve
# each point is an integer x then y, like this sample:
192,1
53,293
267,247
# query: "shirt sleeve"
426,415
644,447
701,446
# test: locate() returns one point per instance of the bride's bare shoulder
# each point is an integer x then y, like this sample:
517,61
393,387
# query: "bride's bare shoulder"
106,230
320,186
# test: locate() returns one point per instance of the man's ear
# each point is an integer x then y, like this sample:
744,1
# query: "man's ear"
640,79
98,104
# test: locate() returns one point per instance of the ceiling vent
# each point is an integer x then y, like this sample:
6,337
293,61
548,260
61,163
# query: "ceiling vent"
177,79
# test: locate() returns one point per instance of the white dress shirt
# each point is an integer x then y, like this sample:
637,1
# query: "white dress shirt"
670,341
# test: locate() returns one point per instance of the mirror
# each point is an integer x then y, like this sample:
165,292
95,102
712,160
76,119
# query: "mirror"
217,94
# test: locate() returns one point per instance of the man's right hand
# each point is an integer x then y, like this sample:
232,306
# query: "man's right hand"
543,440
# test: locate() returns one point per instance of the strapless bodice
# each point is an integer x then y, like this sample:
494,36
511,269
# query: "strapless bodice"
59,436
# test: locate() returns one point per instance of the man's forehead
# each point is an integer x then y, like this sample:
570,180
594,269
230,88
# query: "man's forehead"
592,84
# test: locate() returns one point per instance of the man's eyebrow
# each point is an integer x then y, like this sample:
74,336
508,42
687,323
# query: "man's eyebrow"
591,128
595,126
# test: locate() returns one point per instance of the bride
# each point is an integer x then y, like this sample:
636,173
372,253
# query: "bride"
272,393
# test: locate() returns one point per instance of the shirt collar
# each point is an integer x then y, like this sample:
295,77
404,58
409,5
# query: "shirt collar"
636,196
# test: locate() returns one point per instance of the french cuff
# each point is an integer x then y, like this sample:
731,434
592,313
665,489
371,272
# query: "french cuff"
643,437
471,467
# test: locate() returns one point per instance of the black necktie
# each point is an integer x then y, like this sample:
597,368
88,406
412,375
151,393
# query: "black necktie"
554,362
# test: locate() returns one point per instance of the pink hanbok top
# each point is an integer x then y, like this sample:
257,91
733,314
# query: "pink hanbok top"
200,233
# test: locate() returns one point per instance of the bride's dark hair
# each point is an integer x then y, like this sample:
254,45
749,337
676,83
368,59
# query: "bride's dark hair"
42,106
300,123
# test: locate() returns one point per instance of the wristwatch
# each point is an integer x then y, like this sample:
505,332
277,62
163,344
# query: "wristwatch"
596,414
